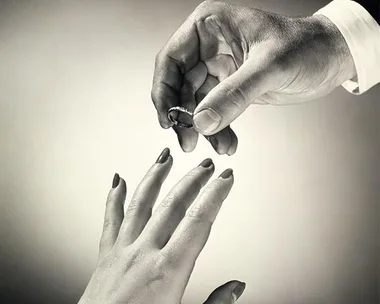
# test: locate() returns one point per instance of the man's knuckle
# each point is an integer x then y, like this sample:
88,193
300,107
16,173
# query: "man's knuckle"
206,8
157,93
158,58
236,95
210,3
202,6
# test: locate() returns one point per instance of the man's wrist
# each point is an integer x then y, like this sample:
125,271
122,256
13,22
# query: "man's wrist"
335,47
362,35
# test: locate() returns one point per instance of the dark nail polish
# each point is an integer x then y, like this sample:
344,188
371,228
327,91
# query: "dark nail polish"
238,290
116,180
163,156
206,163
226,174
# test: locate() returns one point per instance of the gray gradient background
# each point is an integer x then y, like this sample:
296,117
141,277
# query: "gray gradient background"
301,225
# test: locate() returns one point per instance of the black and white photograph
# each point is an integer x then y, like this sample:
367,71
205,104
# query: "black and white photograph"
189,152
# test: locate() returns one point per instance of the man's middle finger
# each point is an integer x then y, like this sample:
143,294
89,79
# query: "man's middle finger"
193,80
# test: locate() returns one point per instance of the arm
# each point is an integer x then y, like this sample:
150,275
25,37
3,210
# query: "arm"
356,20
147,257
236,56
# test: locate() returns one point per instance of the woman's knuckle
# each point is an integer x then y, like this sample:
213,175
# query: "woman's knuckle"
138,208
104,243
169,200
196,213
133,207
214,188
191,174
110,223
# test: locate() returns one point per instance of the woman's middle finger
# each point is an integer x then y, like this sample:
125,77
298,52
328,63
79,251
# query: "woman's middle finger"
139,209
173,208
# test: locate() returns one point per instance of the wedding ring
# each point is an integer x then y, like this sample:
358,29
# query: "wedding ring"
179,123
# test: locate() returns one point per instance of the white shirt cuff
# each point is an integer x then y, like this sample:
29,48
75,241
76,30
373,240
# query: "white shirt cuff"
362,34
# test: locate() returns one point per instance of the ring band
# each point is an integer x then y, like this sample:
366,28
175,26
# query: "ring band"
176,122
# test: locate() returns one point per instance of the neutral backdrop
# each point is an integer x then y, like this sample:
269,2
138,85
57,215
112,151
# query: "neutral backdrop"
301,225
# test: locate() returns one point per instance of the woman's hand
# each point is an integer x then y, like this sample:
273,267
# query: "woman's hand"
147,258
235,56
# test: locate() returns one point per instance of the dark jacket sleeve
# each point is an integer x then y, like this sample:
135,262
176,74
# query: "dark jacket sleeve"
372,6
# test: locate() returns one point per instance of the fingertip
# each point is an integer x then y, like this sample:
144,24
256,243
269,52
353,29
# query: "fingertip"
228,178
232,149
118,190
230,153
163,162
166,126
163,157
165,123
206,163
234,143
229,292
187,139
186,145
222,150
169,162
187,148
214,143
238,290
121,186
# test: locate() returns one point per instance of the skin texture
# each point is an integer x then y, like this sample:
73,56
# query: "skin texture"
148,258
226,57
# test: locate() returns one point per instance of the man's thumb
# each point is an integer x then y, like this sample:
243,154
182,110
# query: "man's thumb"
231,97
227,293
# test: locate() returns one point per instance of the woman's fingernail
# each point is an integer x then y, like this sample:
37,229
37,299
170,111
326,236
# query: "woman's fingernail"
163,156
206,163
207,120
226,174
116,180
238,291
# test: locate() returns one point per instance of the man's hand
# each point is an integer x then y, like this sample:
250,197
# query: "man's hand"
145,258
225,57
